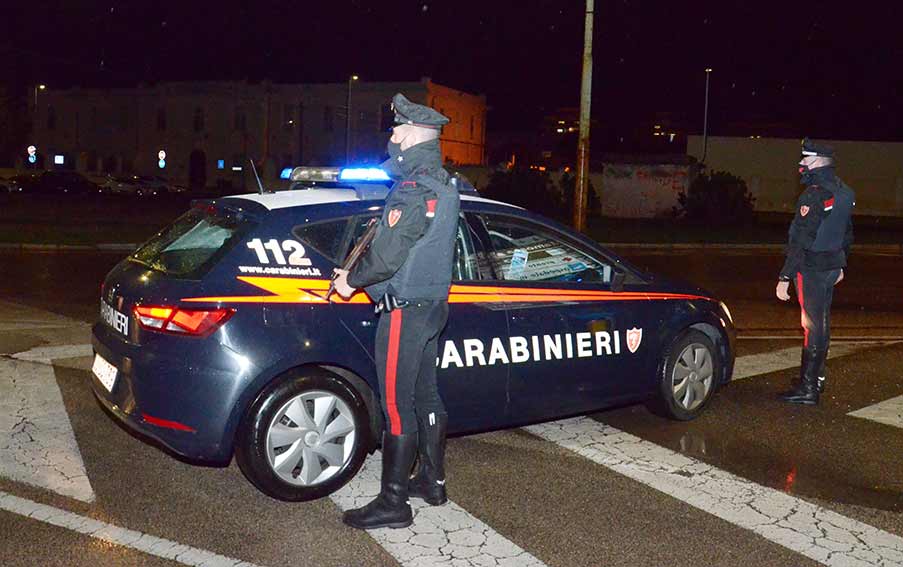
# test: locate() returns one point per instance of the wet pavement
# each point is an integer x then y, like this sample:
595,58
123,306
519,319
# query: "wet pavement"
561,508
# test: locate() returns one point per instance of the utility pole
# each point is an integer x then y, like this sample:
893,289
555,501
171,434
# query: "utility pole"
586,87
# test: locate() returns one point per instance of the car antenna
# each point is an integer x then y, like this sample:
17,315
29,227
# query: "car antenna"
254,169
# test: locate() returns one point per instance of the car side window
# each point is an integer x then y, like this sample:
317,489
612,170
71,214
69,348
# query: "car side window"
465,261
324,237
525,251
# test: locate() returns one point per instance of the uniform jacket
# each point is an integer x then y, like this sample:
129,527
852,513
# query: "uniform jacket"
413,249
821,233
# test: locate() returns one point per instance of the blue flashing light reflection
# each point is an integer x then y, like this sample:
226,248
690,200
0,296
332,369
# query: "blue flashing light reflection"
286,173
363,174
220,164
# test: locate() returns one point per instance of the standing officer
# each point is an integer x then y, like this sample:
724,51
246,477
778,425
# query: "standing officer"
407,272
819,243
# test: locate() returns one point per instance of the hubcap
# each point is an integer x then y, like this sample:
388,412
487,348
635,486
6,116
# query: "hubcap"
311,438
693,376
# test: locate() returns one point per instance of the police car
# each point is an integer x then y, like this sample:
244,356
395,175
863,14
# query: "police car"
216,337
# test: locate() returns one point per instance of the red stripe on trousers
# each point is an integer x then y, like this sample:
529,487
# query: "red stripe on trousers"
392,371
799,287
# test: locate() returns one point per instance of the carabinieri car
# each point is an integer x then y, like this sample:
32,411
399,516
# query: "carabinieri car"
215,337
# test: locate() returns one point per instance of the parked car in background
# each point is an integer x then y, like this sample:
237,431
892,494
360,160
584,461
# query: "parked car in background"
133,185
62,183
21,183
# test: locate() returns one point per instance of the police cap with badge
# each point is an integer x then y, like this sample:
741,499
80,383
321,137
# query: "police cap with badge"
407,112
811,148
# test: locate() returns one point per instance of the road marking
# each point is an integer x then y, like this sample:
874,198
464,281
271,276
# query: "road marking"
37,444
28,325
813,531
767,362
104,531
440,535
47,354
888,412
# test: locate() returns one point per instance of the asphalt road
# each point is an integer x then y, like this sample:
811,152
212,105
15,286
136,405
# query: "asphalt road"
652,492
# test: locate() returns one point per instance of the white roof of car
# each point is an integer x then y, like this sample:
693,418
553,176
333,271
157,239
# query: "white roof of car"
307,197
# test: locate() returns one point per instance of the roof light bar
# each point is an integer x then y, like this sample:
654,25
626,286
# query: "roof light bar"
286,173
314,174
363,174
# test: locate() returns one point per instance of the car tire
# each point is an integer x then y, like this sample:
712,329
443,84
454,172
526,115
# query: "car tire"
304,437
689,375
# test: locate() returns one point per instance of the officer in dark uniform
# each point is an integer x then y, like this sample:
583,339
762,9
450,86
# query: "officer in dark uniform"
817,250
407,272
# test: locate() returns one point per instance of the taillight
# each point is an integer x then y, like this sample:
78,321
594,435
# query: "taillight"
193,322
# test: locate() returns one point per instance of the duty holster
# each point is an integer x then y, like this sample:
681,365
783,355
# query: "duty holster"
389,303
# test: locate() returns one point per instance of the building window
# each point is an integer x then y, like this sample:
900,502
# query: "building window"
161,119
386,118
288,117
241,119
198,119
51,118
328,118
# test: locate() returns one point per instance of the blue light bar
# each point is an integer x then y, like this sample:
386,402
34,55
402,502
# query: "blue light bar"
363,174
286,173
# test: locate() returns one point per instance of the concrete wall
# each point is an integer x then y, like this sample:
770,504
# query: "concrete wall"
769,167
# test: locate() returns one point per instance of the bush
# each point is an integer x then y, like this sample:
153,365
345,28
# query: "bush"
718,198
528,188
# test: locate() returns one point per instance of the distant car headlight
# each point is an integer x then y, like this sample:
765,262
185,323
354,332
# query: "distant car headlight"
726,311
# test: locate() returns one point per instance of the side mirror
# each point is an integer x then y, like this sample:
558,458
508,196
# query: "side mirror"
617,281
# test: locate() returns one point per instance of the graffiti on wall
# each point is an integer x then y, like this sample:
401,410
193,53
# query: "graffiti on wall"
642,190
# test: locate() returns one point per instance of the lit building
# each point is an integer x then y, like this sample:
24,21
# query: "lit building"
209,130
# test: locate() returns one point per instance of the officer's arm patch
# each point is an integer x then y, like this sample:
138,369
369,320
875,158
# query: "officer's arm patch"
393,217
804,210
431,208
829,204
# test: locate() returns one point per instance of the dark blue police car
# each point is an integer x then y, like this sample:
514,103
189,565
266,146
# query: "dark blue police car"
216,337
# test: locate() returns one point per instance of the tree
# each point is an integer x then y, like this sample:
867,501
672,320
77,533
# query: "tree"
716,198
528,188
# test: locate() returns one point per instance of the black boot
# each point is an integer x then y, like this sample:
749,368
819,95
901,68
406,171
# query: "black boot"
391,508
429,482
797,390
807,391
822,376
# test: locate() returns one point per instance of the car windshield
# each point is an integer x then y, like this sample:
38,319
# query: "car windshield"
194,242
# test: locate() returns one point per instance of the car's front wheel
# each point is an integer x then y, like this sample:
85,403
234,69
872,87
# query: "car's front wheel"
304,437
690,372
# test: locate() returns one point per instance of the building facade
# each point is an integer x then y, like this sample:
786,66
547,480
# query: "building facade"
209,130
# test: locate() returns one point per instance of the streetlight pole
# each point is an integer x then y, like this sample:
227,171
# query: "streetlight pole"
705,118
351,80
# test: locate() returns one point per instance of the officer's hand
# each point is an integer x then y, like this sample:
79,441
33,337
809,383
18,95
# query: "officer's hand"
341,283
781,290
839,278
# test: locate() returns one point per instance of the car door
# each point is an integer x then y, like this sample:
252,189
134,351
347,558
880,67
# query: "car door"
473,388
575,339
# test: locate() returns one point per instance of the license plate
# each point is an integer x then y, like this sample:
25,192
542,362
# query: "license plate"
105,372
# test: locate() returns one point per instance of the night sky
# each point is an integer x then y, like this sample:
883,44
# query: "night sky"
823,68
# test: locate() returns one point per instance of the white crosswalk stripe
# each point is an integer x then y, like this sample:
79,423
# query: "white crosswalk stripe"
888,412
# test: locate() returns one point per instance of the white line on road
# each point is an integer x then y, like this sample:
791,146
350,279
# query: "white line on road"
767,362
888,412
47,354
440,535
142,542
37,445
805,528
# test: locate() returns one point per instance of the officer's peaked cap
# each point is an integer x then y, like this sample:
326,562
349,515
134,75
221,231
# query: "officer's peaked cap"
407,112
811,148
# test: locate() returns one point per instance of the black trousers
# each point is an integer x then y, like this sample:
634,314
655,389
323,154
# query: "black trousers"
407,345
815,291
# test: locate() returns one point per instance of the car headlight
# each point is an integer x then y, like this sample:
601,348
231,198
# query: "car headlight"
726,311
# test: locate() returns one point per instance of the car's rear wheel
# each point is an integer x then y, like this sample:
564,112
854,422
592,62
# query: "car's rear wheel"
304,437
690,372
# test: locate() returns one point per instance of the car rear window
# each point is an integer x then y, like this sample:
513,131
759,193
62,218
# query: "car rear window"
194,242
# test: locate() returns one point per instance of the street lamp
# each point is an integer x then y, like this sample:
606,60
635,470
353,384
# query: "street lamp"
36,89
351,80
705,119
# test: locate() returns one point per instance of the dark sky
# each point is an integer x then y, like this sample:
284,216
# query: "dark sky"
825,68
